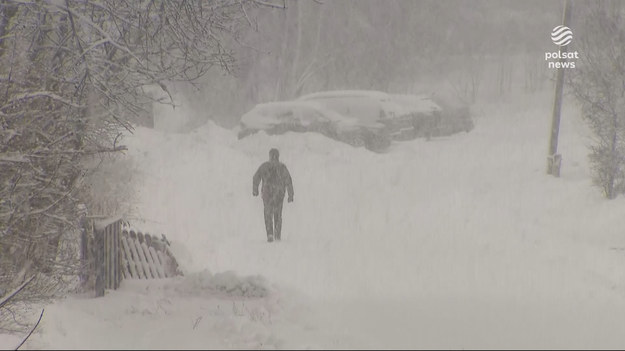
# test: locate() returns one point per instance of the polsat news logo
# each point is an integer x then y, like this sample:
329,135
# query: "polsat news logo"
561,36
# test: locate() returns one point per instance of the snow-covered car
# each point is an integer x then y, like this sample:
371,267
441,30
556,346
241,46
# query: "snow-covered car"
454,117
404,116
358,117
310,116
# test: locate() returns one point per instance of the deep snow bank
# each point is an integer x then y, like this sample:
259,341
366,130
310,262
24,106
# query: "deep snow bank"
469,214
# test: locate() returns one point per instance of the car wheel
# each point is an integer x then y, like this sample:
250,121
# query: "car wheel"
376,141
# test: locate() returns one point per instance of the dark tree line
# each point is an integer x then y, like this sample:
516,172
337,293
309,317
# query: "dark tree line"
472,49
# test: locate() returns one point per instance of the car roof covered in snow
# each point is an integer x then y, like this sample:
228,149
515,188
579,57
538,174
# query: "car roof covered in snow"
305,112
367,104
345,93
415,103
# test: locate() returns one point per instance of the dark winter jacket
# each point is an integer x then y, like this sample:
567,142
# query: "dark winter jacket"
276,178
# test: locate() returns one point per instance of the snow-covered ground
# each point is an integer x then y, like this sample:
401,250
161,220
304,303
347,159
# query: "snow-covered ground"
456,242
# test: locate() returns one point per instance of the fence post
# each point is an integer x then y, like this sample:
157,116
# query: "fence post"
84,267
107,256
116,253
99,262
110,255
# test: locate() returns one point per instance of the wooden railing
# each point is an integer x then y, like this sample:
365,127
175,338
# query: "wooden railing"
111,251
145,256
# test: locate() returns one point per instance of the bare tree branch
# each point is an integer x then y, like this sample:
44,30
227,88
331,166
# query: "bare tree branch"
9,296
270,4
31,331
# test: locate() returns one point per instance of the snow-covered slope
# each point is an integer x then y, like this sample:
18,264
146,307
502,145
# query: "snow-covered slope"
456,242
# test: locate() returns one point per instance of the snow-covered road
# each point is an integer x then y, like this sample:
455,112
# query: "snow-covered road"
459,242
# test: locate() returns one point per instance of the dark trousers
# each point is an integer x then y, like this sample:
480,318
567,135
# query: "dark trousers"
273,214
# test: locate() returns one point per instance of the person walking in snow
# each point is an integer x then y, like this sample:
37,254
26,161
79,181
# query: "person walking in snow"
276,178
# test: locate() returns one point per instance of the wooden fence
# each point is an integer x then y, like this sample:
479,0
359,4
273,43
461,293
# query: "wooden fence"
112,251
146,256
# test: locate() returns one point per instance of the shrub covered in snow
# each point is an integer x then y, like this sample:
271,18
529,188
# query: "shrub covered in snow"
226,283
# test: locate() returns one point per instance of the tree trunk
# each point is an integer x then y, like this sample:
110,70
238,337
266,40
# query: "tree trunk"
7,12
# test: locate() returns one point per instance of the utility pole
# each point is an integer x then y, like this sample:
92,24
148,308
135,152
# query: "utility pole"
554,159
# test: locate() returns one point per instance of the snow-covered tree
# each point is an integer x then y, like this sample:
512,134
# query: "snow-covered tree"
74,74
598,82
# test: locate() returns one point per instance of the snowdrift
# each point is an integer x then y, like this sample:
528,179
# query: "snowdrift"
456,242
